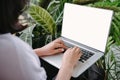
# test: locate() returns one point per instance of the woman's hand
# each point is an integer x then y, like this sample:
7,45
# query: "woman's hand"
54,47
70,58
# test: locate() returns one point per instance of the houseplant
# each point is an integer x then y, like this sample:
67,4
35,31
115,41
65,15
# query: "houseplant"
53,12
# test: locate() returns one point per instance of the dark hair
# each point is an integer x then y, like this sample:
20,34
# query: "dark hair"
9,13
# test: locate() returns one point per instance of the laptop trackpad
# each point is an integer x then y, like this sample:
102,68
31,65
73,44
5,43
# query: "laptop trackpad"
55,60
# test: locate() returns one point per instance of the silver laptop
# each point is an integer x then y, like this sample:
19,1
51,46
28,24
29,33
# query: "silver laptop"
87,28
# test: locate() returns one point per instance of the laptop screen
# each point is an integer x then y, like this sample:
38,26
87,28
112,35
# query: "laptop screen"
86,25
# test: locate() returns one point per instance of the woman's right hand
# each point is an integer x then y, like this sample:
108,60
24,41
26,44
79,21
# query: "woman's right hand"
71,57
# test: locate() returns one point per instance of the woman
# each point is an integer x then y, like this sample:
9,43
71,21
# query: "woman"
17,59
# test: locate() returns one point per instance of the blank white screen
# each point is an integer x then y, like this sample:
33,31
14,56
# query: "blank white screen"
87,25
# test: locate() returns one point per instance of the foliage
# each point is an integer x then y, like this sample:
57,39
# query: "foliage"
55,8
112,61
42,17
26,35
45,20
40,37
44,3
49,21
115,29
35,1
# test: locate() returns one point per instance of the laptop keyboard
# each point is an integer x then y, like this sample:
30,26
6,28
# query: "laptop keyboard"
86,54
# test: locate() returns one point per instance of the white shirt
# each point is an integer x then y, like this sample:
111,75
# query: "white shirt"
18,61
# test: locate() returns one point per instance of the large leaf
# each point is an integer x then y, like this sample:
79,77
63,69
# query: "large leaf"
42,17
116,51
112,60
26,35
115,31
55,8
113,5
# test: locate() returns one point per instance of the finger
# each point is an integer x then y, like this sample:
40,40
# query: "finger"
75,49
78,50
57,45
58,50
80,53
69,49
60,41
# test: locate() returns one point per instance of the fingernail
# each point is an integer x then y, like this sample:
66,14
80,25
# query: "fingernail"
62,49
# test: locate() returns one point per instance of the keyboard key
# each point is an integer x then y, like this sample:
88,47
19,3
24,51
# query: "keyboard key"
86,55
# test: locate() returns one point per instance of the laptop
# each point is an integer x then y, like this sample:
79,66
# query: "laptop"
87,28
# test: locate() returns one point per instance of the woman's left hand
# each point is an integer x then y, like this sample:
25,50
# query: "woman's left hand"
54,47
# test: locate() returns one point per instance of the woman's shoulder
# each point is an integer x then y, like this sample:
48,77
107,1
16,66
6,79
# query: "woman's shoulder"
17,49
14,45
19,58
9,40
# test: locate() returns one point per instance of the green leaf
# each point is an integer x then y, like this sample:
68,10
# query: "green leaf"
55,8
42,17
27,35
107,5
116,50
